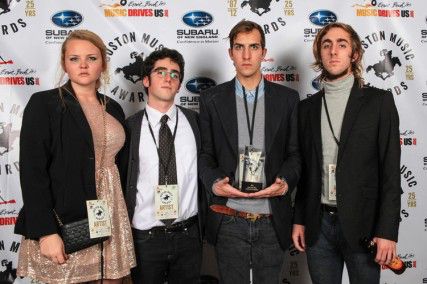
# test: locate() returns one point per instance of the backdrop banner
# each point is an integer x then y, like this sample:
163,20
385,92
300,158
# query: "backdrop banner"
394,38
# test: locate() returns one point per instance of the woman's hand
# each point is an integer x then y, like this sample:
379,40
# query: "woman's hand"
52,247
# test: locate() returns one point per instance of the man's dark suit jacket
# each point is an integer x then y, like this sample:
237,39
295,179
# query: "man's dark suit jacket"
367,172
129,162
219,157
57,161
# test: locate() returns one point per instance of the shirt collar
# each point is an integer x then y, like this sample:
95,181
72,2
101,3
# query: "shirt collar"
154,115
249,93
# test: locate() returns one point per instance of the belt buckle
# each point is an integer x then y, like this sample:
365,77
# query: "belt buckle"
252,216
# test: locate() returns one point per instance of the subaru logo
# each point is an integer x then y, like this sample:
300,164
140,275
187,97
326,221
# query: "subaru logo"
198,84
322,17
67,19
197,19
316,84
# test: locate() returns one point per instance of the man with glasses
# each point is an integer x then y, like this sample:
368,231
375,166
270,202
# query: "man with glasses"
249,164
160,173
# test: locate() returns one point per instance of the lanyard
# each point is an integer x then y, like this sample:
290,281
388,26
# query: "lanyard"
329,120
250,128
164,165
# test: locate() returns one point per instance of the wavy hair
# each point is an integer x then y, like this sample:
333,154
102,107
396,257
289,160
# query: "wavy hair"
356,48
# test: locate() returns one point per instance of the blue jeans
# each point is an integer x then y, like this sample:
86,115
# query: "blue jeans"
173,256
239,242
327,256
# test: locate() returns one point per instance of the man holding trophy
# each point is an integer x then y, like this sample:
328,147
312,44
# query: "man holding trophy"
249,164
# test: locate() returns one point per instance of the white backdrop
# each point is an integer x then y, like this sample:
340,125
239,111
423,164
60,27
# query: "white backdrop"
31,33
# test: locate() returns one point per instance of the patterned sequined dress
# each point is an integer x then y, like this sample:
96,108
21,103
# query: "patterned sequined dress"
119,256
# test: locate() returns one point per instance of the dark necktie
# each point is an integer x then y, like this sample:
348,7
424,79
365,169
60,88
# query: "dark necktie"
167,157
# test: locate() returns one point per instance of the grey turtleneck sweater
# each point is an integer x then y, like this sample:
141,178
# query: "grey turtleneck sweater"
336,95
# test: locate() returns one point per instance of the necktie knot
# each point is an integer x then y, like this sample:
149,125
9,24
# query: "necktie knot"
164,119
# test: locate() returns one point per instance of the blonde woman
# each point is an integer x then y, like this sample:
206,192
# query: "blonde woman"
70,137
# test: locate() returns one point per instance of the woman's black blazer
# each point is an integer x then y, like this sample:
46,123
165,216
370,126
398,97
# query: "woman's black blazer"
57,161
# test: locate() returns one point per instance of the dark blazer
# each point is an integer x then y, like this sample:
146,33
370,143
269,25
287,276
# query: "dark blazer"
368,167
219,158
129,161
57,161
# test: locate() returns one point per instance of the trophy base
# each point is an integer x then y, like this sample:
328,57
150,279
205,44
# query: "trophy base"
250,187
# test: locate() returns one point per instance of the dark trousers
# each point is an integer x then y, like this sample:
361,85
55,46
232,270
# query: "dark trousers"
327,256
167,256
242,242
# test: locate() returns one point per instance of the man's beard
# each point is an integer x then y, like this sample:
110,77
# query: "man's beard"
331,77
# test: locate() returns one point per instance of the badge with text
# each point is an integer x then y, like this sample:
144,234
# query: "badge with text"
99,218
166,201
332,182
253,169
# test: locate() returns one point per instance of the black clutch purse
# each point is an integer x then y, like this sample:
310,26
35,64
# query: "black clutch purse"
76,236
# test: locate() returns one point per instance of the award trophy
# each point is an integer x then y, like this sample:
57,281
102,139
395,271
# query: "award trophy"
253,169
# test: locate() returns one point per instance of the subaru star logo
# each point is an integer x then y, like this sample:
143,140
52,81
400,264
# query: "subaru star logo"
316,84
197,19
322,17
198,84
67,19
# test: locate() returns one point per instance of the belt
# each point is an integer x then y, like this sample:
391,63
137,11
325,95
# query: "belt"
222,209
174,228
330,209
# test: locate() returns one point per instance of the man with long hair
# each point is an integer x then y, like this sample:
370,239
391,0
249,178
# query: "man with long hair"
350,183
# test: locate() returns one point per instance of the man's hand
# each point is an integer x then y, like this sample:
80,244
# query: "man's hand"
298,237
279,187
222,188
386,251
52,247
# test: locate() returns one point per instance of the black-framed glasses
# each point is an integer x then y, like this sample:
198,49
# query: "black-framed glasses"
162,72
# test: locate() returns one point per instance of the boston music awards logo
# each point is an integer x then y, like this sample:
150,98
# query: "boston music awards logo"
409,187
16,76
384,9
388,56
270,14
194,87
12,18
197,27
126,53
134,8
63,22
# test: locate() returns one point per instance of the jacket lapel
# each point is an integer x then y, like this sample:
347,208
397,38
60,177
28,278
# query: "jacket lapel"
135,130
225,105
194,126
315,122
273,115
353,107
76,111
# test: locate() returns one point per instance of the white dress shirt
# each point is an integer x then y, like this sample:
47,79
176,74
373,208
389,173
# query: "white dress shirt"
186,168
